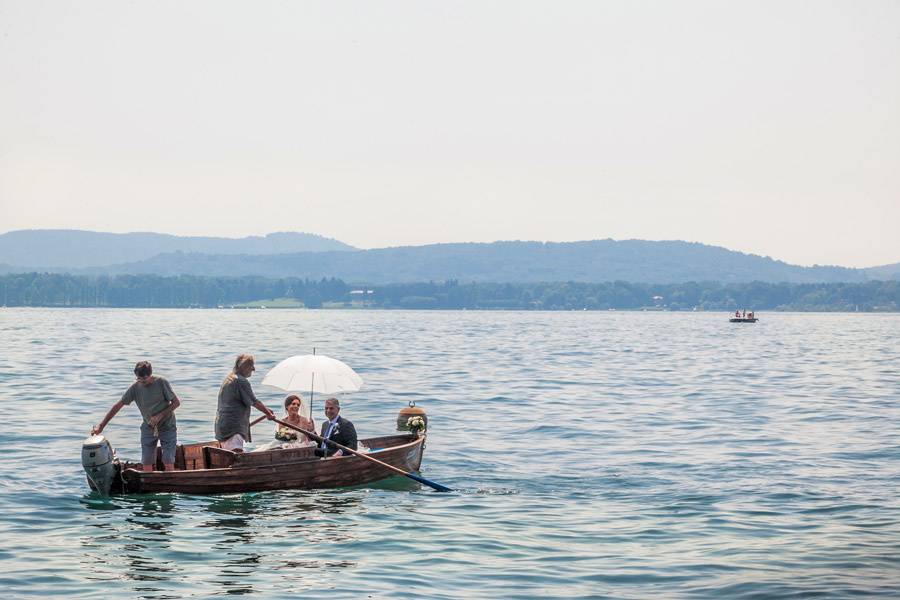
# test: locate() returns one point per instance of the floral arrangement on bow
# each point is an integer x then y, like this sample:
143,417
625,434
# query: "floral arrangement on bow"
285,435
416,424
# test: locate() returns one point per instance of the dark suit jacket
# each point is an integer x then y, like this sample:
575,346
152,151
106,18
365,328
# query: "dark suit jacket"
344,433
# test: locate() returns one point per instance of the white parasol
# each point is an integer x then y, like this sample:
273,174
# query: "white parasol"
313,373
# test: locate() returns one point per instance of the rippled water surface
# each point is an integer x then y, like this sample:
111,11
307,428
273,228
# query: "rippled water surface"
622,455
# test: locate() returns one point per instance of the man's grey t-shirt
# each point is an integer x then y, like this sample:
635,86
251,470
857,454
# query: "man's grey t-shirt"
151,399
233,413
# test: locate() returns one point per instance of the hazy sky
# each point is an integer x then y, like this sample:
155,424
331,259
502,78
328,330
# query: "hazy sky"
765,127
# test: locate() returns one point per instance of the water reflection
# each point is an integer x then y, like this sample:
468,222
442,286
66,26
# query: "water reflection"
312,525
228,543
234,520
134,547
232,516
150,522
255,533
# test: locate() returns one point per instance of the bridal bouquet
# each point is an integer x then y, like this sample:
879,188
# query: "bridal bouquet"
285,435
415,424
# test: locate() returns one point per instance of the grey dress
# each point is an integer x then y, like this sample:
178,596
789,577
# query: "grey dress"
233,413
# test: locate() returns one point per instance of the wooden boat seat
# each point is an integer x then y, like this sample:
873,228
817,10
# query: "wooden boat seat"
217,458
188,457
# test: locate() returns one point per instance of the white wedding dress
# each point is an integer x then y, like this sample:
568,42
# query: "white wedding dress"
289,439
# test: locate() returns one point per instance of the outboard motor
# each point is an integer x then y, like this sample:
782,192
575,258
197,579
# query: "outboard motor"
100,463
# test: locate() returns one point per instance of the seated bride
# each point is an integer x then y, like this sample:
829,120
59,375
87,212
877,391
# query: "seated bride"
286,437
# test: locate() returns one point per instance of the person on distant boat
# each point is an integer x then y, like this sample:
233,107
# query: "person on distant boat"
235,399
337,429
157,402
286,437
750,315
737,314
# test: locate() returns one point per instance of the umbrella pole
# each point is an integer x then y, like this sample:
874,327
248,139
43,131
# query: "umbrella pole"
312,383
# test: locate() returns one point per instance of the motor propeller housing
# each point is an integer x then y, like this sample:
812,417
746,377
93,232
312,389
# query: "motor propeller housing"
100,463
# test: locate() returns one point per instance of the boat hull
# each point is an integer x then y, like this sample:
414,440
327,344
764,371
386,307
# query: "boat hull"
736,320
280,470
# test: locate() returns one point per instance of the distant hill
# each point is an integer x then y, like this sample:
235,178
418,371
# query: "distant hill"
884,272
62,249
635,261
310,256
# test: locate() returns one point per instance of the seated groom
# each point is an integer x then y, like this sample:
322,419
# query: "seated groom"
336,429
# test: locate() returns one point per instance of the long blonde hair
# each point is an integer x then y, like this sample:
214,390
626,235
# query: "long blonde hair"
239,362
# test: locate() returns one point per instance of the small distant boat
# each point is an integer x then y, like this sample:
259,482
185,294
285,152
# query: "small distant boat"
743,317
207,469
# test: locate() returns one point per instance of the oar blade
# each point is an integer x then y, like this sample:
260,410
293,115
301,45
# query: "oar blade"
437,486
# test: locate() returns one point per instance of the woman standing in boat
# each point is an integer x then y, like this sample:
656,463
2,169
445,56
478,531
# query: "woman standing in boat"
235,399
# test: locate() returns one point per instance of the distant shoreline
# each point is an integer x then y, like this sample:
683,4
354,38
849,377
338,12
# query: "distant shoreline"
49,290
759,313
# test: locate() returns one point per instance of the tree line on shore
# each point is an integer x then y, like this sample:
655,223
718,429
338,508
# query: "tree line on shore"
153,291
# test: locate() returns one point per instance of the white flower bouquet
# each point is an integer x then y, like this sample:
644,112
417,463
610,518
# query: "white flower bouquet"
285,435
416,424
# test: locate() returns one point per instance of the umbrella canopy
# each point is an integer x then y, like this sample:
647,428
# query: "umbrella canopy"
313,373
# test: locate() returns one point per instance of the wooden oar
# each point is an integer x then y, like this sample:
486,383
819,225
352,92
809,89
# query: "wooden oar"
255,421
412,476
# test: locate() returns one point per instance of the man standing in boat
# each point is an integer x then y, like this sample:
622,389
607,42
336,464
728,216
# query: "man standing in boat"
337,429
157,402
235,399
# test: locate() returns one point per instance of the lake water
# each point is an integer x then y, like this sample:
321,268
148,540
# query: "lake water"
621,455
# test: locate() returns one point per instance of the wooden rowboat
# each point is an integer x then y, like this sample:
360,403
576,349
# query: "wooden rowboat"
207,469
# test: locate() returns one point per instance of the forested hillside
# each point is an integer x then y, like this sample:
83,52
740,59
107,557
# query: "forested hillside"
513,262
208,292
